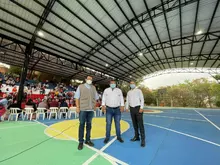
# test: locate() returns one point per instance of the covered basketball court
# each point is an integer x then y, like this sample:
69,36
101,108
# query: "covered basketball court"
121,39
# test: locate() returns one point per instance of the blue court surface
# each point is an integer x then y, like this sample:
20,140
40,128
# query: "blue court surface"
173,137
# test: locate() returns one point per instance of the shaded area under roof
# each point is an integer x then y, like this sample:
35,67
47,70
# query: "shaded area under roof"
132,37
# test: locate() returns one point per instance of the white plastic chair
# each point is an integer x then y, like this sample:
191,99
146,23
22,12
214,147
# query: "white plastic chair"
99,110
13,112
28,112
63,110
72,110
40,111
53,110
95,112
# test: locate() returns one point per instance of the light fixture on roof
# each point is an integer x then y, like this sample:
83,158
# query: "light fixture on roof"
199,32
130,76
191,63
40,33
140,54
106,65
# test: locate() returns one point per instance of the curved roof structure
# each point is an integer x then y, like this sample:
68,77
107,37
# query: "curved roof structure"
124,39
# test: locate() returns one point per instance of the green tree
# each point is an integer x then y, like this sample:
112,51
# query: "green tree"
15,70
202,92
149,97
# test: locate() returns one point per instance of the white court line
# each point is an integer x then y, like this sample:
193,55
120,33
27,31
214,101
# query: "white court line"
176,118
96,154
208,120
185,134
187,113
106,156
17,126
25,125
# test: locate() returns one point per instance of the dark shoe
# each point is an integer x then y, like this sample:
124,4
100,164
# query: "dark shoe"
142,143
135,139
120,140
91,144
106,140
80,146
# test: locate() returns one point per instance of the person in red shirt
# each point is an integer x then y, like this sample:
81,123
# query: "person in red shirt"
54,103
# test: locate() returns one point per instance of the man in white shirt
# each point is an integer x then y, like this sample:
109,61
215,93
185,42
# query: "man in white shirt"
135,101
86,96
113,105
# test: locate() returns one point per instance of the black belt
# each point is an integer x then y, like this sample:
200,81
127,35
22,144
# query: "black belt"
112,107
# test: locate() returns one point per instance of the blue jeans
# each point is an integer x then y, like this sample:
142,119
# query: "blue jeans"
110,113
85,117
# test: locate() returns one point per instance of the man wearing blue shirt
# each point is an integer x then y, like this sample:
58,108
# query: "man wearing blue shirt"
86,96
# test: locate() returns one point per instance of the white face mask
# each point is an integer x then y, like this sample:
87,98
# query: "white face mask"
89,82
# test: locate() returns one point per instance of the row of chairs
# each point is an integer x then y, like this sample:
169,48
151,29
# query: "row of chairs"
57,112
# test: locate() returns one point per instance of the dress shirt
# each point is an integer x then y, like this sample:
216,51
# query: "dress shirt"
135,98
112,97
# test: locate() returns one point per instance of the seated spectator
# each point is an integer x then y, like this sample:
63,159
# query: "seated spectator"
63,103
54,103
14,89
3,107
31,104
98,103
1,94
43,104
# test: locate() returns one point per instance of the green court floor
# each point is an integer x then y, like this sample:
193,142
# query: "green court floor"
25,143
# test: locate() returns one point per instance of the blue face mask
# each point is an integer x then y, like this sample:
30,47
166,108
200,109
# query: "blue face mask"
132,86
112,85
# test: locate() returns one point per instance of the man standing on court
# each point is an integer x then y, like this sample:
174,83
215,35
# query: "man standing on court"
135,101
113,105
86,96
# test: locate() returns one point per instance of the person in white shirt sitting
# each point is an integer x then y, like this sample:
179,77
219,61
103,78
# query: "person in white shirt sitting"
113,105
135,101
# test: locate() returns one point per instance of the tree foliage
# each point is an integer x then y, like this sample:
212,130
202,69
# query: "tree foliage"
198,93
14,70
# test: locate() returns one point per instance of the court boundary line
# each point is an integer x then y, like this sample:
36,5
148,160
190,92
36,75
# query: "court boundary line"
93,157
104,148
31,123
208,120
200,120
110,158
195,114
185,134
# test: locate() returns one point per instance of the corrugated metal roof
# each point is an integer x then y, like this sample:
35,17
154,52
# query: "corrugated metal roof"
114,32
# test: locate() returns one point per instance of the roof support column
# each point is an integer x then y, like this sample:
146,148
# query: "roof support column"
23,78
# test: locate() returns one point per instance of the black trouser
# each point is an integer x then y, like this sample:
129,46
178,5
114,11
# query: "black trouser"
137,120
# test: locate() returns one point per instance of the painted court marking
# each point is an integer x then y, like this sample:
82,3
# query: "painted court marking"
176,118
24,124
185,134
208,120
108,157
96,154
187,113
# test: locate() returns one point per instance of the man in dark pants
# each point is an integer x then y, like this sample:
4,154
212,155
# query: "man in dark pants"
86,97
135,101
113,105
